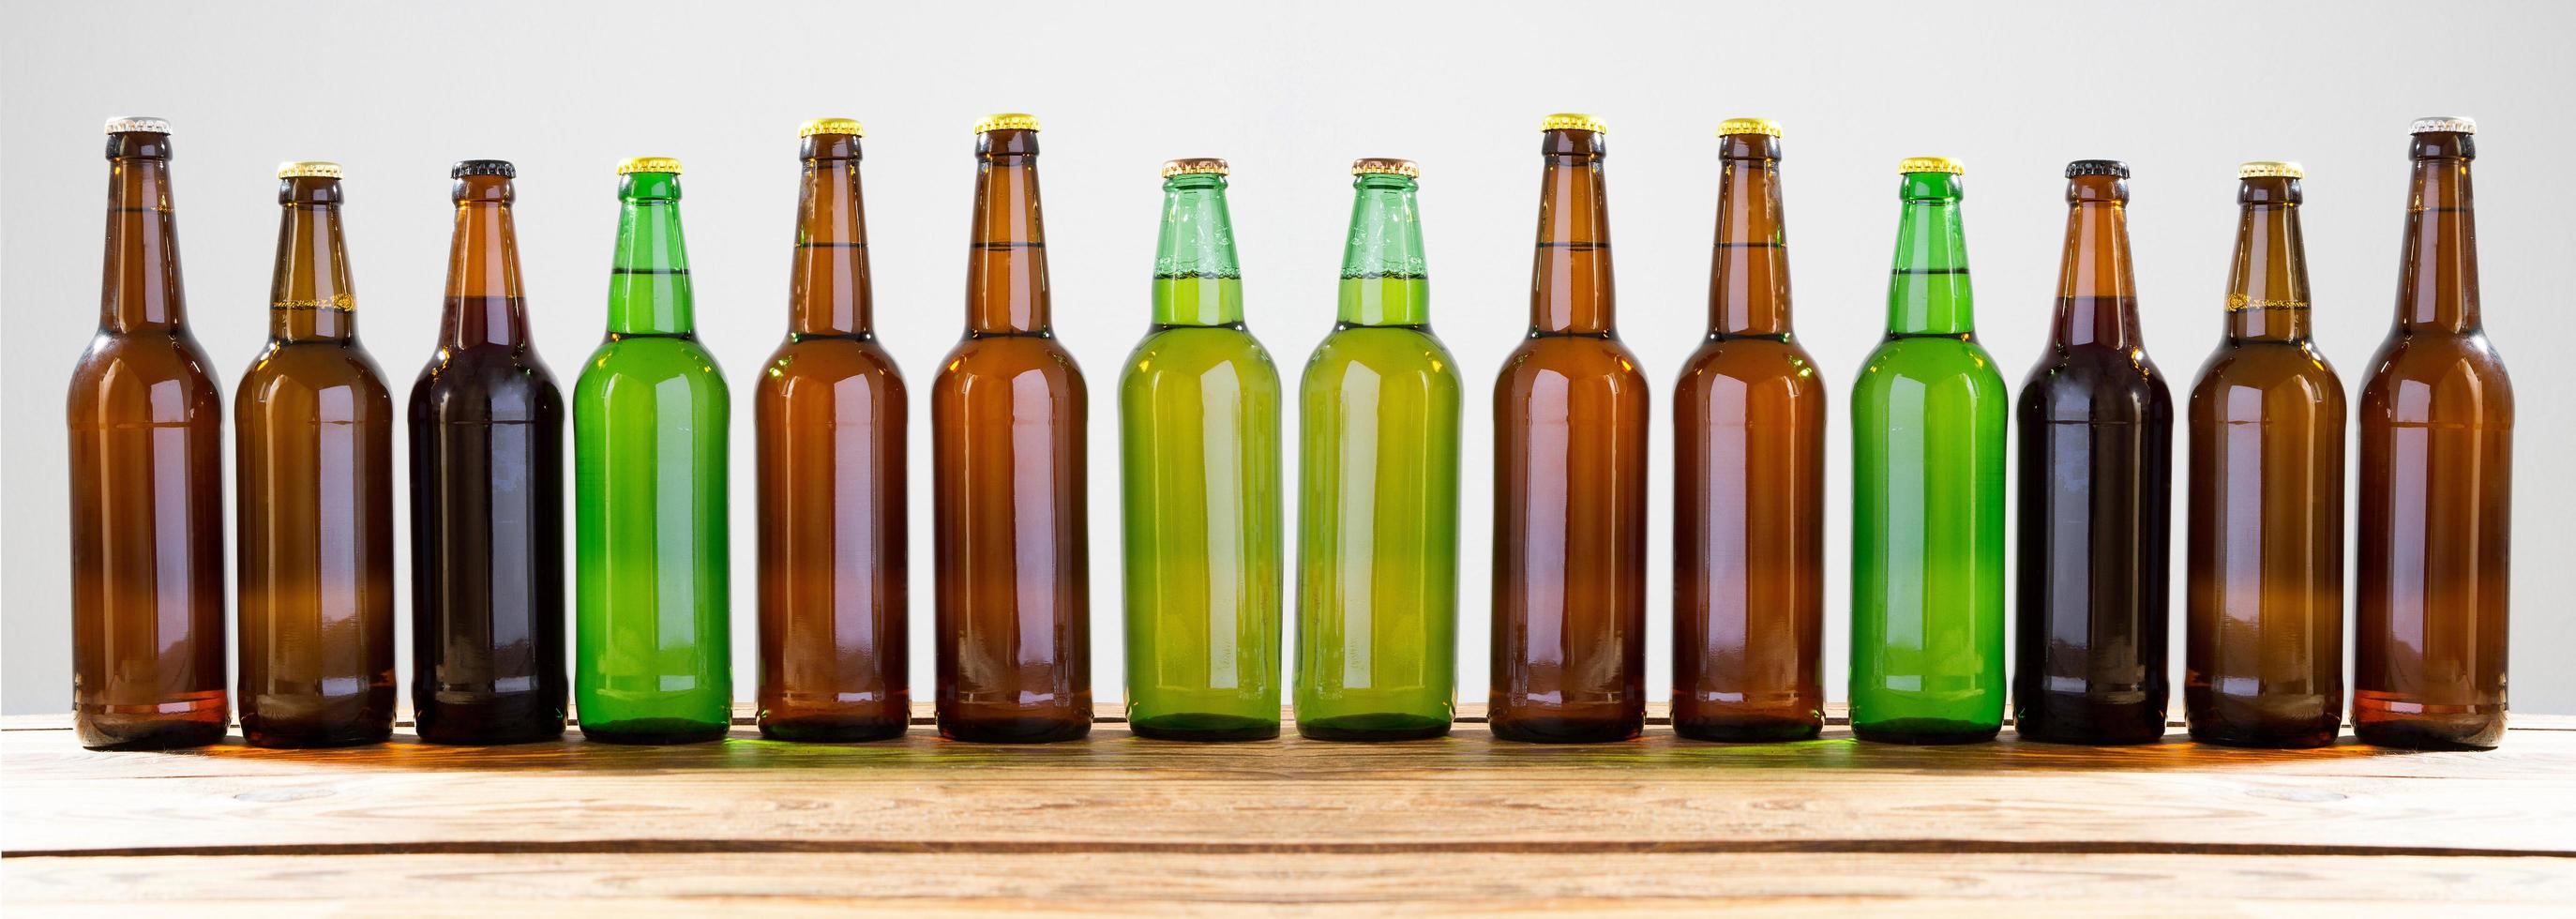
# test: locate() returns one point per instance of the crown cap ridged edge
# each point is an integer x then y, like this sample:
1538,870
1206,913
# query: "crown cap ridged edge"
849,126
1942,164
1006,121
2271,169
138,124
1763,126
1201,165
1380,165
649,164
314,169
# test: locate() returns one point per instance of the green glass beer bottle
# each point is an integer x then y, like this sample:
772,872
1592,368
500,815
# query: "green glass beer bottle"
1377,544
1198,418
1928,493
649,421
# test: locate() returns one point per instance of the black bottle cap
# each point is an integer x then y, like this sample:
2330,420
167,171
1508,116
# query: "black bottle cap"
500,168
2097,168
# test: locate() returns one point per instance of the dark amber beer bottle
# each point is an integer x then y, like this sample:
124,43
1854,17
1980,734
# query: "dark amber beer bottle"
1007,417
1570,415
487,529
2096,486
2263,597
314,452
1749,479
147,491
2436,475
828,424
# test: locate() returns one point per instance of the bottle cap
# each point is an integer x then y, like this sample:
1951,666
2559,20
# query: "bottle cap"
1573,121
649,164
1762,126
2271,169
1931,164
1383,166
1196,166
2097,168
2438,124
308,168
849,126
1006,121
138,124
500,168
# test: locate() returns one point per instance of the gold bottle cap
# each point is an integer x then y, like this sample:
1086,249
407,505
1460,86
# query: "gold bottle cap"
1206,165
2444,124
1931,164
649,164
1383,166
849,126
314,168
138,124
2271,169
1006,121
1573,121
1763,126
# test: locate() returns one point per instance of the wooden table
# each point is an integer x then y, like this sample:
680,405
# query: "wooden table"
1118,824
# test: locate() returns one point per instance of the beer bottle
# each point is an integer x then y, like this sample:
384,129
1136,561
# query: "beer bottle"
146,482
2263,589
1928,493
1007,418
829,426
1570,414
1377,544
649,422
1198,409
314,437
2096,487
2436,475
486,495
1749,479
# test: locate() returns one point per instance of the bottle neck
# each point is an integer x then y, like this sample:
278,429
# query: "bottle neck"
310,297
141,291
1748,278
829,293
1384,282
484,303
1006,278
1196,279
2096,296
1927,291
2267,285
1571,290
2437,288
648,286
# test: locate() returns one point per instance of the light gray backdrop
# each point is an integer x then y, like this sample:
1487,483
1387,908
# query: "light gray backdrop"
1290,94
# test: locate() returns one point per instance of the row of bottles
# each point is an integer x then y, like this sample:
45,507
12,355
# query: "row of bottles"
1380,408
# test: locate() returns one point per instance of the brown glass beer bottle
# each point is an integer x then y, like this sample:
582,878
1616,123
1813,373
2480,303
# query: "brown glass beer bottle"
829,427
313,429
1007,417
2436,476
2263,597
1749,479
1570,414
147,491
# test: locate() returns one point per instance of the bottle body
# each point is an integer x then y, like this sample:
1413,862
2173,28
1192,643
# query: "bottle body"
1199,424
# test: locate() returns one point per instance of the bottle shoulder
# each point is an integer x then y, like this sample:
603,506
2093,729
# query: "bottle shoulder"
651,359
2094,384
1194,351
1385,350
1930,360
2430,378
314,367
1750,360
830,357
484,383
1009,356
1572,357
126,376
2266,367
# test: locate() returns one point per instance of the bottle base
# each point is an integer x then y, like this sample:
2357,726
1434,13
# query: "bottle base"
1014,730
1373,728
2090,719
653,731
833,729
2478,734
1203,727
1557,730
120,733
273,738
1749,729
489,722
1925,732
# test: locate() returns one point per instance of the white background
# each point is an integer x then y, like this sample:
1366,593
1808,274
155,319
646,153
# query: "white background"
1289,94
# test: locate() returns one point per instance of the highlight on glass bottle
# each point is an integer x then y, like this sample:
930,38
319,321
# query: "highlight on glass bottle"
144,420
1008,418
1198,419
2263,592
1927,427
2096,466
828,422
1748,478
2436,482
486,495
650,415
314,437
1570,416
1377,533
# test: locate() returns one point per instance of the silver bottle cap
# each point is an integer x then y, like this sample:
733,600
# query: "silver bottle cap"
2444,124
137,124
